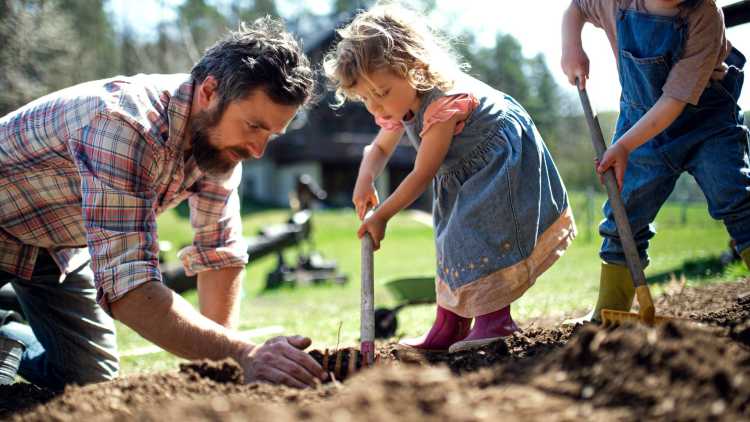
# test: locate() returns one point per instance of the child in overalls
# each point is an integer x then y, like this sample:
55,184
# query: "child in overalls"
501,215
680,81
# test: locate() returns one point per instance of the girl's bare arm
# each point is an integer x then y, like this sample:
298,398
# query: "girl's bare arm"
430,156
377,154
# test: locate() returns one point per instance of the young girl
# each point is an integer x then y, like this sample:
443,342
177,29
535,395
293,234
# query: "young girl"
500,210
680,82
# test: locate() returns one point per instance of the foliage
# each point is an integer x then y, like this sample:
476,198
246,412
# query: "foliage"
38,54
51,44
345,6
93,27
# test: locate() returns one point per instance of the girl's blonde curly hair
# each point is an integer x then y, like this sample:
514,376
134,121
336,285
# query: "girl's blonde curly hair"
390,37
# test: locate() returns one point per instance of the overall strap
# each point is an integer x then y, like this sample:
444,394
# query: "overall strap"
679,22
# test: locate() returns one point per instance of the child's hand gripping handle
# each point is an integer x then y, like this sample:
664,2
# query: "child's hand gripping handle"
367,311
618,209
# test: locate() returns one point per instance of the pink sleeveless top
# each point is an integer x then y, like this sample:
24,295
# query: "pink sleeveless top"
441,110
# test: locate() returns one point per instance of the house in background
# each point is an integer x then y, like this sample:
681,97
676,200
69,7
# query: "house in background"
323,142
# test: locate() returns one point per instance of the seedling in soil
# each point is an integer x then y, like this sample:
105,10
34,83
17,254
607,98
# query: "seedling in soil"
348,361
341,363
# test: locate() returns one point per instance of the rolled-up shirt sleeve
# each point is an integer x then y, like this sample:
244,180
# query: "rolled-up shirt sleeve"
116,165
597,12
216,220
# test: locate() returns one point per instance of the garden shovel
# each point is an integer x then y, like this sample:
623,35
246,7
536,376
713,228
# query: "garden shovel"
367,310
642,292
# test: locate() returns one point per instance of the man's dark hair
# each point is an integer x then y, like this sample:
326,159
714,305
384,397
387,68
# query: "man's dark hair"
260,55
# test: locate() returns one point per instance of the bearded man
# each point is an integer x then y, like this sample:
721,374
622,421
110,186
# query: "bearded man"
85,171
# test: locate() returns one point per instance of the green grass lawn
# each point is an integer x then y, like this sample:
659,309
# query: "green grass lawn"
688,242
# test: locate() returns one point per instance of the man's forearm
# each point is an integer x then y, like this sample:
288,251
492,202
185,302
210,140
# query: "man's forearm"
169,321
219,294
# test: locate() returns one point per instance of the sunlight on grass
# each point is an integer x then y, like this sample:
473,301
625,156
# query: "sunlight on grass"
688,242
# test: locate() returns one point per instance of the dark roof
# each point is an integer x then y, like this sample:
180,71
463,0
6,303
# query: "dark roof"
736,13
317,31
337,147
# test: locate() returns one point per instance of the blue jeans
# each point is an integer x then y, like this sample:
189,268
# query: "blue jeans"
708,140
69,339
719,165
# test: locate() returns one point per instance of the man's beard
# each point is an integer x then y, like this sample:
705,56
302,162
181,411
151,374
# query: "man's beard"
210,159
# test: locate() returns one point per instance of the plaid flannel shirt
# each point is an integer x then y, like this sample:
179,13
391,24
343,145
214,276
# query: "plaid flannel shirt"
85,171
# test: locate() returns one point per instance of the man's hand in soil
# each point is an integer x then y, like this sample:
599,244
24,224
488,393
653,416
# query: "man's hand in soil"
282,360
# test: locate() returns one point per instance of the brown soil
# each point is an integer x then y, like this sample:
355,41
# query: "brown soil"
679,371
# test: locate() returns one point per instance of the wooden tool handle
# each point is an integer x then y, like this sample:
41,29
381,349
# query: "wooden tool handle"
632,258
367,311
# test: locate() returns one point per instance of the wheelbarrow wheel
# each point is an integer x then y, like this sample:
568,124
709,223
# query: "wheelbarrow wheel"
386,322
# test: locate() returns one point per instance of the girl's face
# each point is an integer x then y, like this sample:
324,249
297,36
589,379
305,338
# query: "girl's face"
387,95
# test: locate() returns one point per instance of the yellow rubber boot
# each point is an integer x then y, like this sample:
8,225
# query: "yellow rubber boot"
616,292
746,257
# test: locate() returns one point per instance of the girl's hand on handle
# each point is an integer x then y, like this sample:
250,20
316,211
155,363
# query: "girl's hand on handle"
615,157
365,198
376,227
575,65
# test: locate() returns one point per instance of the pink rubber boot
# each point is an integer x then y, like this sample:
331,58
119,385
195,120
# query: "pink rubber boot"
487,329
447,329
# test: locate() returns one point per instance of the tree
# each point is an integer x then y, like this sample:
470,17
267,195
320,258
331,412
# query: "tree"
201,25
258,9
501,66
344,6
544,103
130,63
39,51
341,6
98,55
506,68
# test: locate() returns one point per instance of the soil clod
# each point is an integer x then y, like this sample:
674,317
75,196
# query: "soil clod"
677,371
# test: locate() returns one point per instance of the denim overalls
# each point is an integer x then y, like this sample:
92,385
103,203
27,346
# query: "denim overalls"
497,189
707,140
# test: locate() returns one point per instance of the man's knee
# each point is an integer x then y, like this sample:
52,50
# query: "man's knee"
96,370
95,360
84,368
62,363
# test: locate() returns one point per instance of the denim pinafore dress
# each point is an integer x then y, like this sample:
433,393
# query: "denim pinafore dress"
707,140
496,193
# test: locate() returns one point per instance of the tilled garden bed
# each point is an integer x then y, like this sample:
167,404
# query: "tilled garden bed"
678,371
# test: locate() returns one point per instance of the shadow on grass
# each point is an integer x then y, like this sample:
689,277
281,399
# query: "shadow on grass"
247,206
694,269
